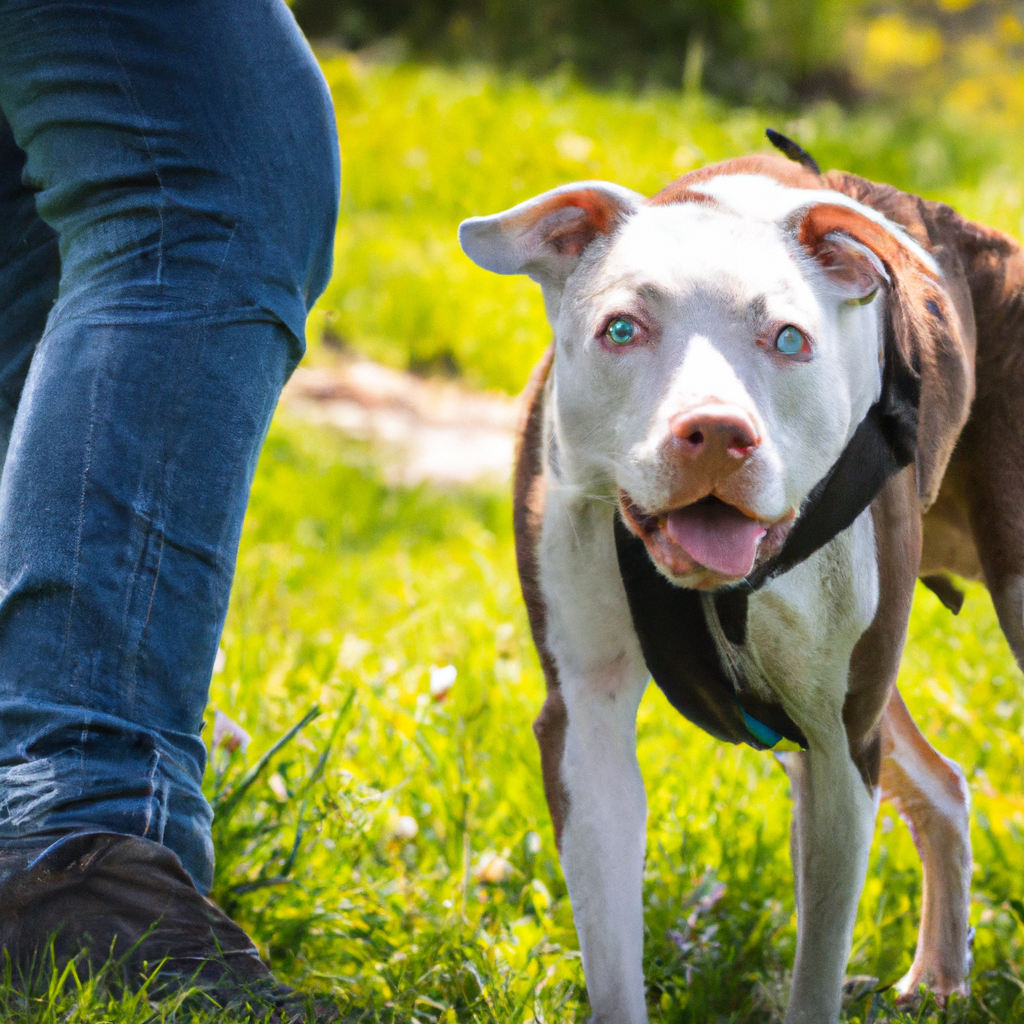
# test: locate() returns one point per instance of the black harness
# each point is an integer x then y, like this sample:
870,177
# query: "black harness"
681,631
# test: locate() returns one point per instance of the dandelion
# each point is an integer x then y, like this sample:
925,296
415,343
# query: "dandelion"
441,681
493,868
405,827
278,787
353,650
228,734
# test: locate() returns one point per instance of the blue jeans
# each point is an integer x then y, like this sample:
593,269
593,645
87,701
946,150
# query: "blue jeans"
168,192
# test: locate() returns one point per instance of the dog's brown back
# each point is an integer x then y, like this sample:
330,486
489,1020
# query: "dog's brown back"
976,526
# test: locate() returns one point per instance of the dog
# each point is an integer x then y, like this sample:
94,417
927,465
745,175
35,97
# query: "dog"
774,399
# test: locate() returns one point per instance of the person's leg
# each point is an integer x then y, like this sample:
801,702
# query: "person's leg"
29,277
183,151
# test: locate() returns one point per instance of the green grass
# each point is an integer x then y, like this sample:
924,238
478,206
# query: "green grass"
350,591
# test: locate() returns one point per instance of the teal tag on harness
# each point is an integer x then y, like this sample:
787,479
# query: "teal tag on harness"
773,740
769,737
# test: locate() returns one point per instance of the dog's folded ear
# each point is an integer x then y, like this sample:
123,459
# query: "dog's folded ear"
928,381
545,236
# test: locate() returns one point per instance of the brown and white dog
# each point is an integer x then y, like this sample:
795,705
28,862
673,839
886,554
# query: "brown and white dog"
763,380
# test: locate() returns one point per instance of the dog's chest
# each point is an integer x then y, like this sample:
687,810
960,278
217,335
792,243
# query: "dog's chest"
802,627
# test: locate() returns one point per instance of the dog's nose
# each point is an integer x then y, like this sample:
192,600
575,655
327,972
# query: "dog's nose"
714,432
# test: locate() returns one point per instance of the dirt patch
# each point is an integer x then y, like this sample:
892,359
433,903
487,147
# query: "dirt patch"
425,429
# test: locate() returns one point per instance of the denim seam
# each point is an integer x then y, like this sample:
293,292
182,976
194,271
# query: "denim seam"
131,647
151,776
203,334
80,525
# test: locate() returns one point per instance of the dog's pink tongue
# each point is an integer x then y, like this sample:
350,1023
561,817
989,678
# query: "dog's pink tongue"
716,535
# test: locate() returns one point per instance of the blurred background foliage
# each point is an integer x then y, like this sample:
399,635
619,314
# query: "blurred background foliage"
969,52
452,108
425,145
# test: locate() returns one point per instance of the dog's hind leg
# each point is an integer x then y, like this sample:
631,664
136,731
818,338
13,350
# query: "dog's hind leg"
930,793
997,522
992,487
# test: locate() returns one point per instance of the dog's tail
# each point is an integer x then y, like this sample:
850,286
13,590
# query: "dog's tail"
792,149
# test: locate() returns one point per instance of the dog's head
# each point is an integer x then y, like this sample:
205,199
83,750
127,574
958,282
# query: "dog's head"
718,345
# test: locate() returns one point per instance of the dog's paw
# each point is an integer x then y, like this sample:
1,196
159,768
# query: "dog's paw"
941,986
943,972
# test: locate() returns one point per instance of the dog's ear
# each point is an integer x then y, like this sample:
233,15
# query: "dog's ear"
545,236
928,380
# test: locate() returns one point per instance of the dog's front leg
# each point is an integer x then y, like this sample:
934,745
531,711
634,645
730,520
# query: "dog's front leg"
603,840
833,821
587,735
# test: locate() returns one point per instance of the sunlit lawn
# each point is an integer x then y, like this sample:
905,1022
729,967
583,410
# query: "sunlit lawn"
359,857
396,851
349,594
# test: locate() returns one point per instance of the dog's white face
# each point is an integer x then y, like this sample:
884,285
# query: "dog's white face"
707,376
709,368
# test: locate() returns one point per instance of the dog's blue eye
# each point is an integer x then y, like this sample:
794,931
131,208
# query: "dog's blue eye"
789,341
621,331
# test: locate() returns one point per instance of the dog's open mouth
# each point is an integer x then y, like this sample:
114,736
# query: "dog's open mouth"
709,538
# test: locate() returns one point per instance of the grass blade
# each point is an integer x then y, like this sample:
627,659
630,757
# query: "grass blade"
226,805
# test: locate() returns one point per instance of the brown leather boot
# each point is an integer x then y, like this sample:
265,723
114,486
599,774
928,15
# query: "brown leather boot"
125,905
